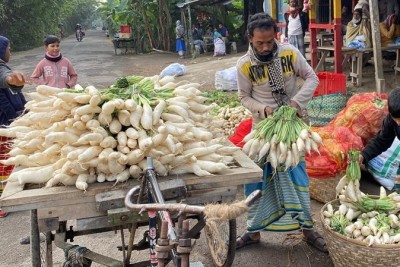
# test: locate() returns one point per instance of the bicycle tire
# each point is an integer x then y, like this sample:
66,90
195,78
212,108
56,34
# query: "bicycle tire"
222,255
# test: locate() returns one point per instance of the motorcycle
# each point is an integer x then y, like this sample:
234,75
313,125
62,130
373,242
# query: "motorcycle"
79,35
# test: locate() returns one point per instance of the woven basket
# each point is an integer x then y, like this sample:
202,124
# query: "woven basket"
322,109
347,252
324,189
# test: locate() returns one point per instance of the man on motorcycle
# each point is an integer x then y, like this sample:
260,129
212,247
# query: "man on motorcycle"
79,32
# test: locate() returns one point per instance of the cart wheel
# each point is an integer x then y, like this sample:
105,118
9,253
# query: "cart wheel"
221,239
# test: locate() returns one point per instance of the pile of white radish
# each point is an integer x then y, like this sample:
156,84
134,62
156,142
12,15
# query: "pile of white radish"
281,138
371,227
372,220
231,118
82,136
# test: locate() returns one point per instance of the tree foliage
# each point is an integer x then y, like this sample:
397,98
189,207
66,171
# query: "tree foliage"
26,22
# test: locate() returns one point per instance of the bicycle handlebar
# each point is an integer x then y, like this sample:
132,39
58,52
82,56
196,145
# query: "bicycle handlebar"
176,207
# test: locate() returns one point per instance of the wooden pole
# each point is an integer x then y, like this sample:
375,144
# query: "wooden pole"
376,44
313,37
337,30
190,32
274,12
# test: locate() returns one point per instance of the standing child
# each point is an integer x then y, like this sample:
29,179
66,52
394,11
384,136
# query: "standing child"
54,70
12,103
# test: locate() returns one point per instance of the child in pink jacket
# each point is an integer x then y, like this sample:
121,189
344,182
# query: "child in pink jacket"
54,70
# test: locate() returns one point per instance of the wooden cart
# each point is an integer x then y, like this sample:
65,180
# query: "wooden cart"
124,44
101,208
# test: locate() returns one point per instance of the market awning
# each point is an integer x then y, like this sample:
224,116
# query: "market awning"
204,2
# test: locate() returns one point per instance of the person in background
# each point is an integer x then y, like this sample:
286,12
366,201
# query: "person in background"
296,26
267,80
197,37
180,39
389,131
387,8
364,6
388,30
346,18
12,103
224,32
54,70
358,32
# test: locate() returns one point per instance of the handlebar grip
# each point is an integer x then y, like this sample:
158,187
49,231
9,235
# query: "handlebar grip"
128,198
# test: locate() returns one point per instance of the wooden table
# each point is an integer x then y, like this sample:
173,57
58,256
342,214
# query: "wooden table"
325,38
357,63
347,52
101,208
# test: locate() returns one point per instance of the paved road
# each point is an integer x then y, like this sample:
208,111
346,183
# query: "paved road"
96,64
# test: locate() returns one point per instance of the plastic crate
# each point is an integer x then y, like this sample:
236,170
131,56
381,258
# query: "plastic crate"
331,83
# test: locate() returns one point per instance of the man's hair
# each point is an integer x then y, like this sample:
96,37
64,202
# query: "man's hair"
394,103
261,21
51,39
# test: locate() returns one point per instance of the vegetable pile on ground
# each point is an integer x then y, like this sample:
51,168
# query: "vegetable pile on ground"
228,109
368,219
281,137
76,137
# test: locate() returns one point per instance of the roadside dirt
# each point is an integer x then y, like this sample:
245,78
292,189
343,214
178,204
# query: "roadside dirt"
96,64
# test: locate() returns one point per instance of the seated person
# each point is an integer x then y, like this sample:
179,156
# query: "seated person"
224,32
388,30
197,37
216,35
358,33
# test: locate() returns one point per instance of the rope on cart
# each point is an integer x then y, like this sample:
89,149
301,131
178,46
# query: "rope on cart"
74,256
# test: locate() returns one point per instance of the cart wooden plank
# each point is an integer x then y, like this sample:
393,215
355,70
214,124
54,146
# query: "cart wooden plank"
16,198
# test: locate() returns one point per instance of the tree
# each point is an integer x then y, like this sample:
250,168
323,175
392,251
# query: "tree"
26,22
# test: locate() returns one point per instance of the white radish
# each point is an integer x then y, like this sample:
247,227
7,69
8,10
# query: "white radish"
122,138
158,110
135,117
122,177
90,153
146,119
124,117
82,110
109,142
130,105
135,171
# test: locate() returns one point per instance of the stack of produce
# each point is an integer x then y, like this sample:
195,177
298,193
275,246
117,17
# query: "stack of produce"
281,137
363,114
231,118
227,109
368,219
76,137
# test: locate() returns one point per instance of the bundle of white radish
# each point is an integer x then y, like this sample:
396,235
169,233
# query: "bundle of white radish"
231,118
80,136
373,220
349,193
372,227
281,138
